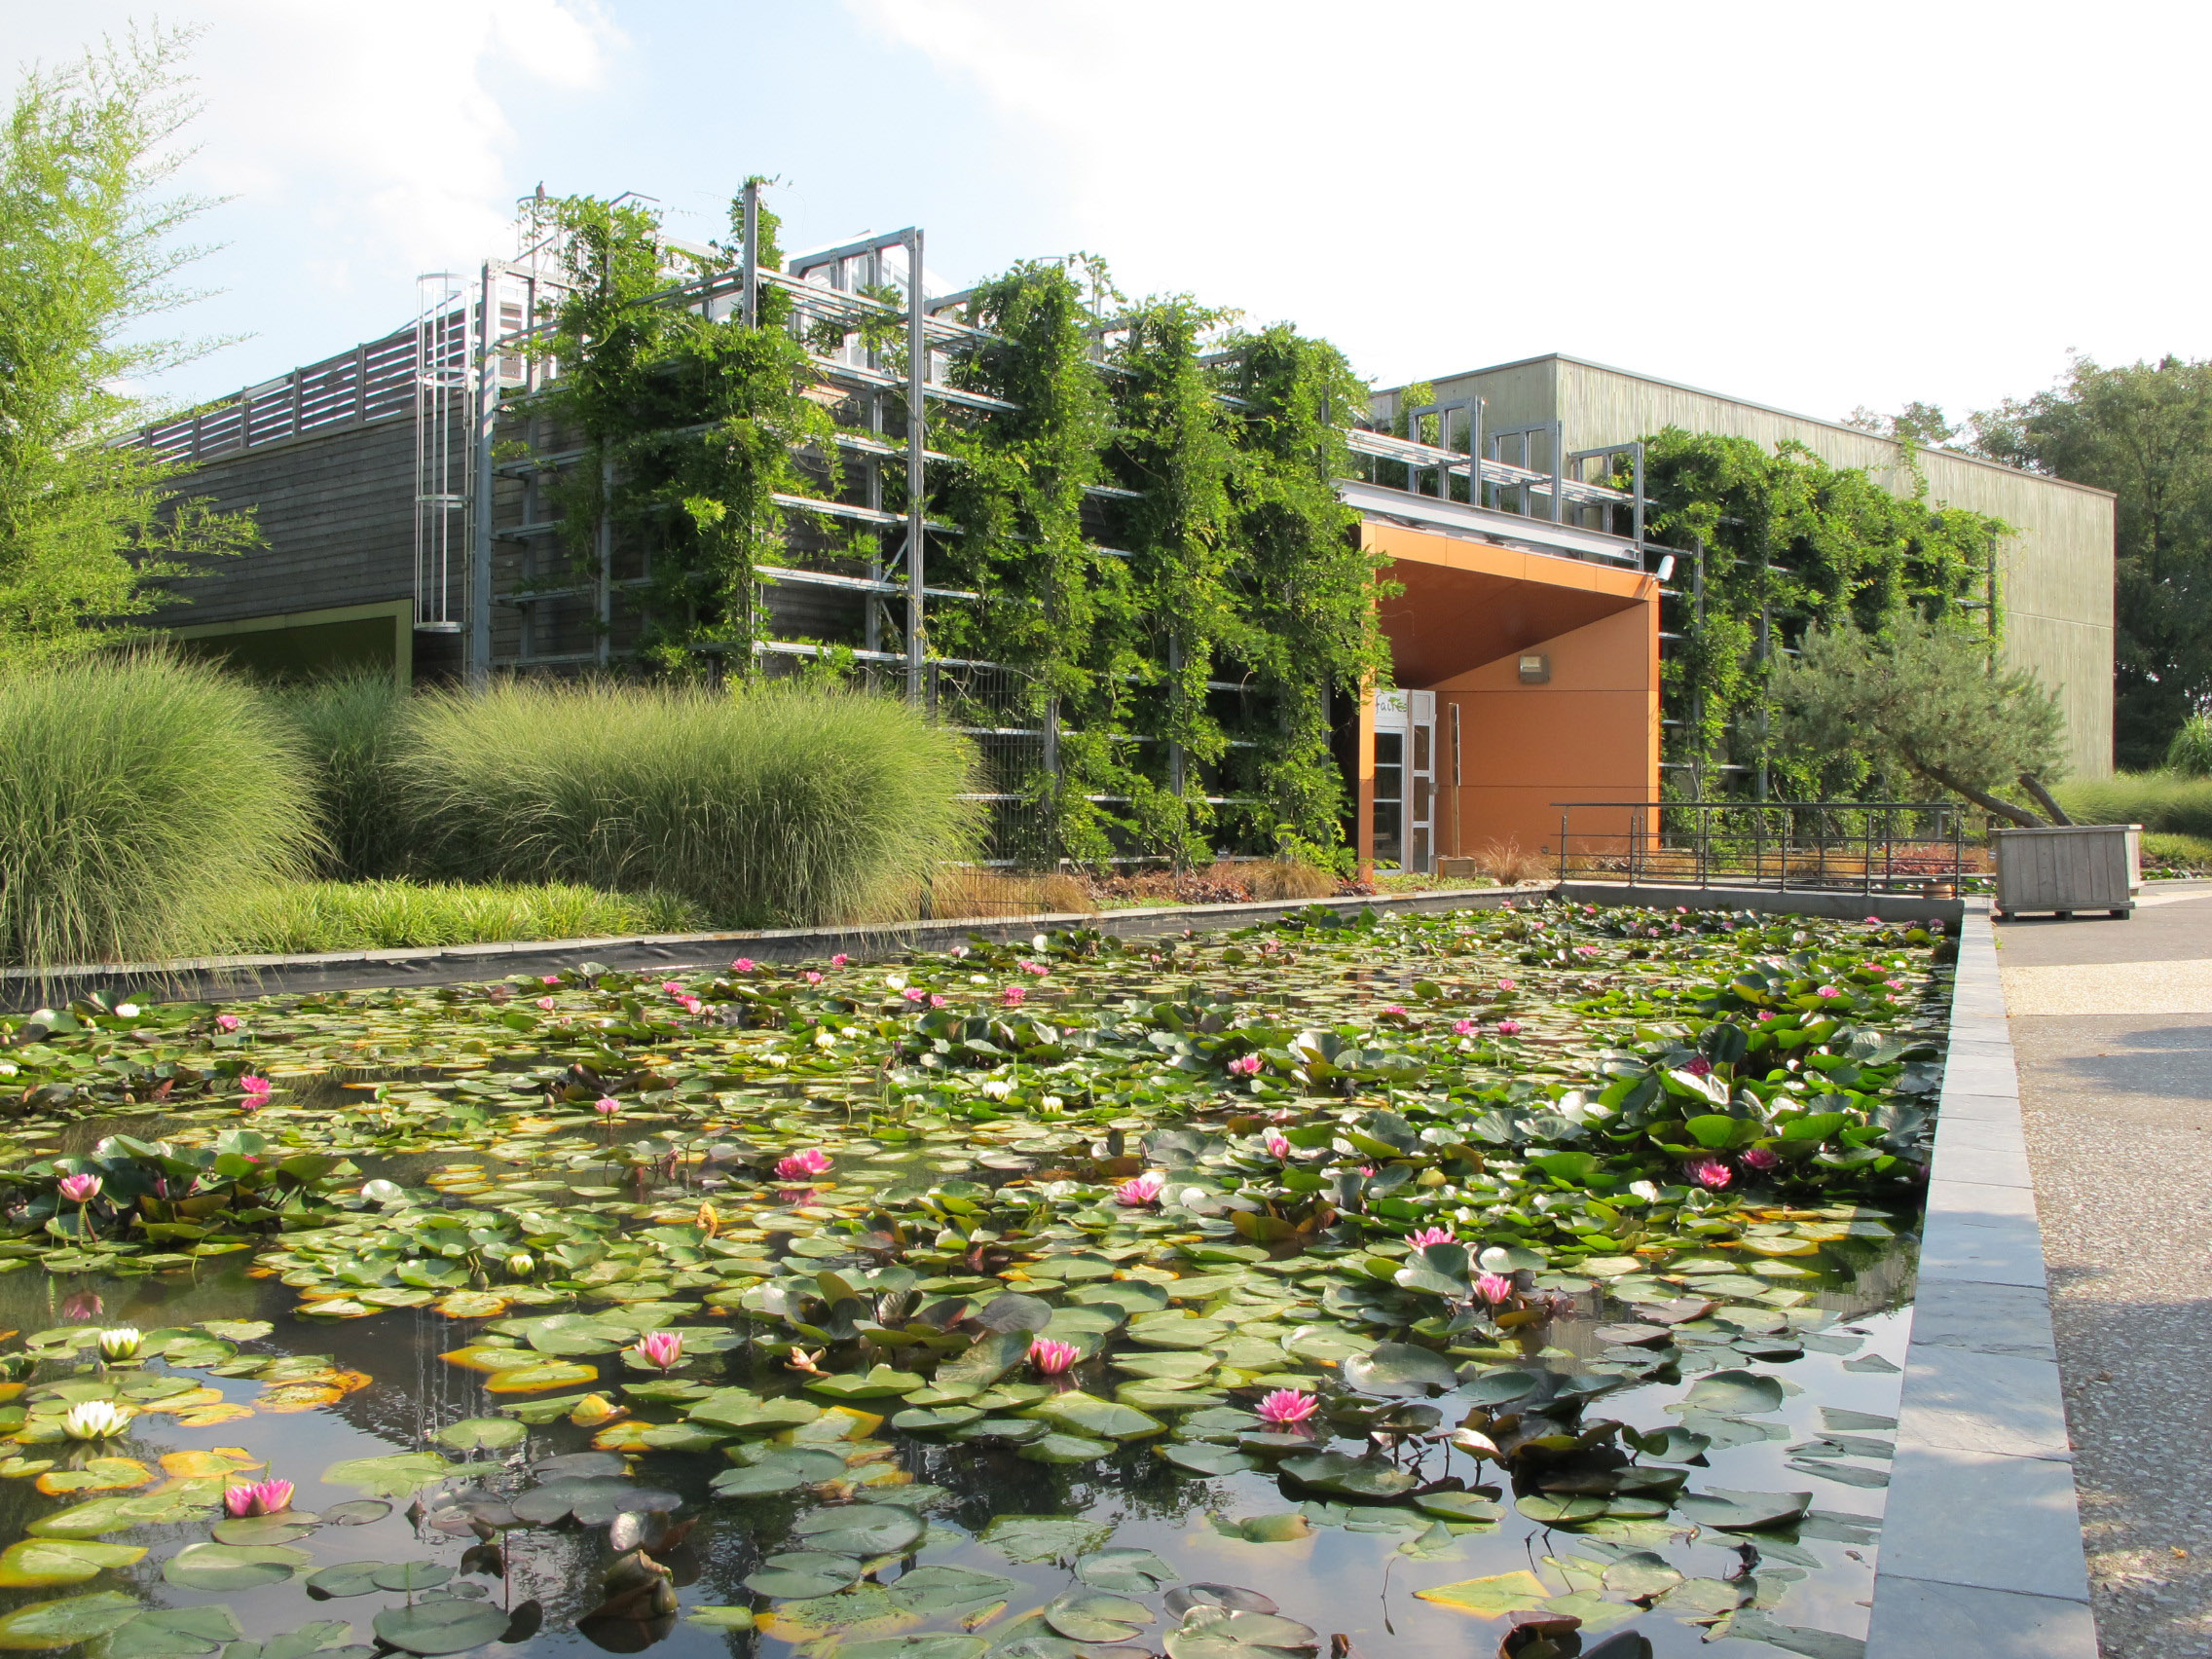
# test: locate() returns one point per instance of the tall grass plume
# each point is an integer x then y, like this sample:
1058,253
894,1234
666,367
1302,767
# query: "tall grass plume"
138,793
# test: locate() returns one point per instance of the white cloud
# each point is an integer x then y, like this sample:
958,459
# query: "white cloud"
1820,205
361,143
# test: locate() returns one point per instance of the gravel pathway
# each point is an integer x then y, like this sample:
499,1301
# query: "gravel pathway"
2114,1040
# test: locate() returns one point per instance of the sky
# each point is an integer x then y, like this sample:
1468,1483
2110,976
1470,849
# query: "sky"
1819,206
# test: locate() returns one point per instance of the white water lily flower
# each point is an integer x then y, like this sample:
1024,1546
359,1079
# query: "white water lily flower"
824,1039
997,1088
120,1343
126,1011
94,1420
1052,1103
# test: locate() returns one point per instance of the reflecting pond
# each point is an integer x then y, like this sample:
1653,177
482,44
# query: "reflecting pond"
1529,1278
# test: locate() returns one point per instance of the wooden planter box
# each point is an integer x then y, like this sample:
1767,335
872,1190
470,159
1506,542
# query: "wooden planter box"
2079,866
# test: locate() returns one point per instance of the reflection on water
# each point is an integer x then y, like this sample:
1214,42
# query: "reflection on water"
1351,1579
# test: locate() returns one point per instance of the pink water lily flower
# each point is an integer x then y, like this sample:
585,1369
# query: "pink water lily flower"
1398,1009
1144,1189
547,1004
1465,1027
1709,1172
840,960
256,1089
549,980
1827,991
1495,1288
673,987
935,1001
1507,985
661,1348
1278,1146
1012,996
814,976
1760,1157
797,1165
1699,1066
915,993
1287,1406
226,1022
1428,1235
1509,1028
1245,1065
606,1106
79,1189
261,1498
689,1005
744,965
1052,1357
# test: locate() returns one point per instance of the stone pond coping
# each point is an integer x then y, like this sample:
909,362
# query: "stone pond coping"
230,976
218,978
1980,1555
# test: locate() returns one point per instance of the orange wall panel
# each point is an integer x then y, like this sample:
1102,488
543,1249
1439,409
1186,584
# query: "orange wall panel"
1590,735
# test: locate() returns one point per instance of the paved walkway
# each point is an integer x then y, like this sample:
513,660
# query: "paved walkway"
2112,1024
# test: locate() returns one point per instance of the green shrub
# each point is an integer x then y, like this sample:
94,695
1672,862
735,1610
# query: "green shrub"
2190,854
2157,801
2191,752
292,917
349,726
139,793
764,807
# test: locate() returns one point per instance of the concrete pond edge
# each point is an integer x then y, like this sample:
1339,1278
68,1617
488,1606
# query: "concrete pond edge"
1981,1554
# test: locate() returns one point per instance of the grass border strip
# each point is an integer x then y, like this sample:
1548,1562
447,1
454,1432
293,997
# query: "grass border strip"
1981,1555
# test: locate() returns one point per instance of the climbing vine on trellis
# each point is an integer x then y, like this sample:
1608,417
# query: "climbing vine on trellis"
692,426
1789,537
1151,528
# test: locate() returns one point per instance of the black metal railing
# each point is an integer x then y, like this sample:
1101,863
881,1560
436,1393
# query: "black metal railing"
1880,846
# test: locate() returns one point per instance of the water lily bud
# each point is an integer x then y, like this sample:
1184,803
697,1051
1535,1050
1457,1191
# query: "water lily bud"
521,1265
121,1343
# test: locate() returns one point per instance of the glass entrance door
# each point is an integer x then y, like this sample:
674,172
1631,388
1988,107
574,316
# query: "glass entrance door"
1405,780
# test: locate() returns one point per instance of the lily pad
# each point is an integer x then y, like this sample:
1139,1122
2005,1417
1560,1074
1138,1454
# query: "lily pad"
398,1475
1082,1616
35,1562
482,1434
861,1529
1492,1597
65,1622
1045,1537
802,1574
1088,1413
1730,1511
175,1633
593,1501
1137,1572
1399,1370
1217,1633
1735,1392
441,1625
232,1566
1349,1477
934,1589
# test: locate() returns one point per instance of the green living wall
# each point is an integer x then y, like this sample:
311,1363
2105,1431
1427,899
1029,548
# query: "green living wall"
1151,531
1790,542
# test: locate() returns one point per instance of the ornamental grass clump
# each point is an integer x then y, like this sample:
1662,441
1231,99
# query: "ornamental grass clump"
765,806
139,792
348,725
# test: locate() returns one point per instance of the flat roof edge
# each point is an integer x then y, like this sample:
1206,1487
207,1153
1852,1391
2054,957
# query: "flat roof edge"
1762,408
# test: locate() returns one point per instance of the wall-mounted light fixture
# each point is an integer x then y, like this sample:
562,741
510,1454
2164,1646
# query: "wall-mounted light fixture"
1536,669
1666,568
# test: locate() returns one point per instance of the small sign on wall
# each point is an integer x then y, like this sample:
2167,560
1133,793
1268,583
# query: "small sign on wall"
1536,669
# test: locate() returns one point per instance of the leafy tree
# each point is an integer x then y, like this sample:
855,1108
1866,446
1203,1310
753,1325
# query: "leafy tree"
1923,425
2142,432
1923,698
1790,541
89,528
